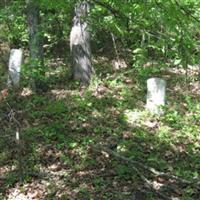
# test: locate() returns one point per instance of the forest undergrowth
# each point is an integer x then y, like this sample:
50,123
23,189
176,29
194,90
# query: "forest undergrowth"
67,141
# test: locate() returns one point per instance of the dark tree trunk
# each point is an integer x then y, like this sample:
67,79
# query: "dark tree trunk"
35,34
80,45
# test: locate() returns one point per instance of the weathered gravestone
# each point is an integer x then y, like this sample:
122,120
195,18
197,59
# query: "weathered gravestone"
14,67
156,89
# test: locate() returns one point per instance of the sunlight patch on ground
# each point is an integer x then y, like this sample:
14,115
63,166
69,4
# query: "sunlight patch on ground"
100,59
56,72
137,118
96,113
156,185
6,169
26,92
62,94
55,62
133,117
29,191
164,131
119,64
17,195
195,87
185,89
193,70
121,148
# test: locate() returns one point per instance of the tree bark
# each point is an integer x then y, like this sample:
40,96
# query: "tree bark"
80,45
35,34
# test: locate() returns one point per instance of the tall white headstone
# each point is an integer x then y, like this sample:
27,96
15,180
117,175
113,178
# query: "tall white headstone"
14,67
156,89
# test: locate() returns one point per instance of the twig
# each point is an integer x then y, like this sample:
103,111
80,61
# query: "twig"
115,12
13,119
150,169
134,165
187,12
115,46
146,181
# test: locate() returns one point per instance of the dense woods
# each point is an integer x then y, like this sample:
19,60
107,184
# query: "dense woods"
100,99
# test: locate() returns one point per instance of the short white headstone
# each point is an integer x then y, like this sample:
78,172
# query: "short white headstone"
156,89
14,67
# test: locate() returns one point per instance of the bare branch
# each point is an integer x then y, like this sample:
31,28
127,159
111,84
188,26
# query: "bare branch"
115,12
150,169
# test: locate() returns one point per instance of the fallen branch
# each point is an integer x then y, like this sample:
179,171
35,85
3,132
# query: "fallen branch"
134,165
150,169
143,178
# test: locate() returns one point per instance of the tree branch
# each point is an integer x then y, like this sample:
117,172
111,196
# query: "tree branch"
115,12
186,11
143,178
145,167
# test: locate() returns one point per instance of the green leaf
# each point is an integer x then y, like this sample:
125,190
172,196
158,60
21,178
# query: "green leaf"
177,61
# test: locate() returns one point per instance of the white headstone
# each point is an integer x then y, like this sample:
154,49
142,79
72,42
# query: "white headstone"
14,67
156,88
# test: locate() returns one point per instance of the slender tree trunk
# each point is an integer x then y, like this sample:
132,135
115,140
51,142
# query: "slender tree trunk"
35,35
80,45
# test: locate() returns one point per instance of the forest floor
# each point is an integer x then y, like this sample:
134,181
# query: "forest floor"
99,142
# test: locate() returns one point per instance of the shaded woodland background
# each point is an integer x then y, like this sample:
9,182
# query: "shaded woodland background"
97,141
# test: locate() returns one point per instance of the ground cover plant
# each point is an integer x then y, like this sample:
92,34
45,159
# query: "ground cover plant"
69,139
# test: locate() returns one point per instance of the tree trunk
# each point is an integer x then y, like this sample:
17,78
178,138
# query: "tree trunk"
35,34
80,45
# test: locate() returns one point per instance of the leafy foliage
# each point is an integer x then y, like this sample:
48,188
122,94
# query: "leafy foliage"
61,122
